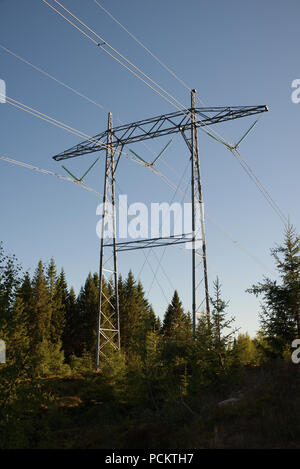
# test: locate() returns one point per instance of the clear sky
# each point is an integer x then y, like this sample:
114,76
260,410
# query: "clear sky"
233,53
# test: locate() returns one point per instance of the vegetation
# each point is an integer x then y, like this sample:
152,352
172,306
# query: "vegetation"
165,388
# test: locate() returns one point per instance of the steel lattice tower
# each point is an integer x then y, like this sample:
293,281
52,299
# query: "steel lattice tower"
187,123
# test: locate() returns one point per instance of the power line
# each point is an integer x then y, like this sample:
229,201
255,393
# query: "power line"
119,62
105,43
51,76
259,185
229,145
249,171
74,131
173,197
35,67
66,127
168,69
177,189
49,119
49,173
234,241
147,260
235,152
182,108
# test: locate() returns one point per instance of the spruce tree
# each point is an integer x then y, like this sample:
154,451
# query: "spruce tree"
131,309
9,283
51,277
58,303
71,335
19,339
88,313
222,334
42,310
137,318
244,351
176,323
281,301
176,344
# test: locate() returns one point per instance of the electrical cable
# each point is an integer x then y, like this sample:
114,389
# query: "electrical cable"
230,146
146,48
51,76
48,172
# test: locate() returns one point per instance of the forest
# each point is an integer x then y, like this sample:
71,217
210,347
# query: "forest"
165,388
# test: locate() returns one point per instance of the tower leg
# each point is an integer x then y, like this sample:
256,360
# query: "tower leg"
199,258
108,323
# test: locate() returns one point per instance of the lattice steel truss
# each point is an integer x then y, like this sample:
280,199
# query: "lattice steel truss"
112,142
162,125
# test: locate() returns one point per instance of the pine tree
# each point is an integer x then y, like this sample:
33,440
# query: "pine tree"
222,334
176,345
58,302
131,310
137,317
71,336
176,323
281,302
244,351
287,259
16,335
88,313
42,310
9,283
203,355
51,277
151,322
146,321
19,341
19,364
63,286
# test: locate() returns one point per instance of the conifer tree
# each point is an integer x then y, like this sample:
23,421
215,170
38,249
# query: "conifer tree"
88,313
71,336
176,323
9,283
287,259
42,311
222,334
136,315
51,276
176,344
131,308
19,339
58,303
281,301
244,351
152,323
203,359
146,320
25,292
63,286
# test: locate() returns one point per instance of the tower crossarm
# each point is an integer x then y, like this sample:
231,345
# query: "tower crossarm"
159,126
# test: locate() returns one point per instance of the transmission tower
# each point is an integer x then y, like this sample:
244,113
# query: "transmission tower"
187,123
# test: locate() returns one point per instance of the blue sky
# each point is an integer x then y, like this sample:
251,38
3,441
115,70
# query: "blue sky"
233,53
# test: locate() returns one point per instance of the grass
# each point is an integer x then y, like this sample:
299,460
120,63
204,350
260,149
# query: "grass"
86,412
